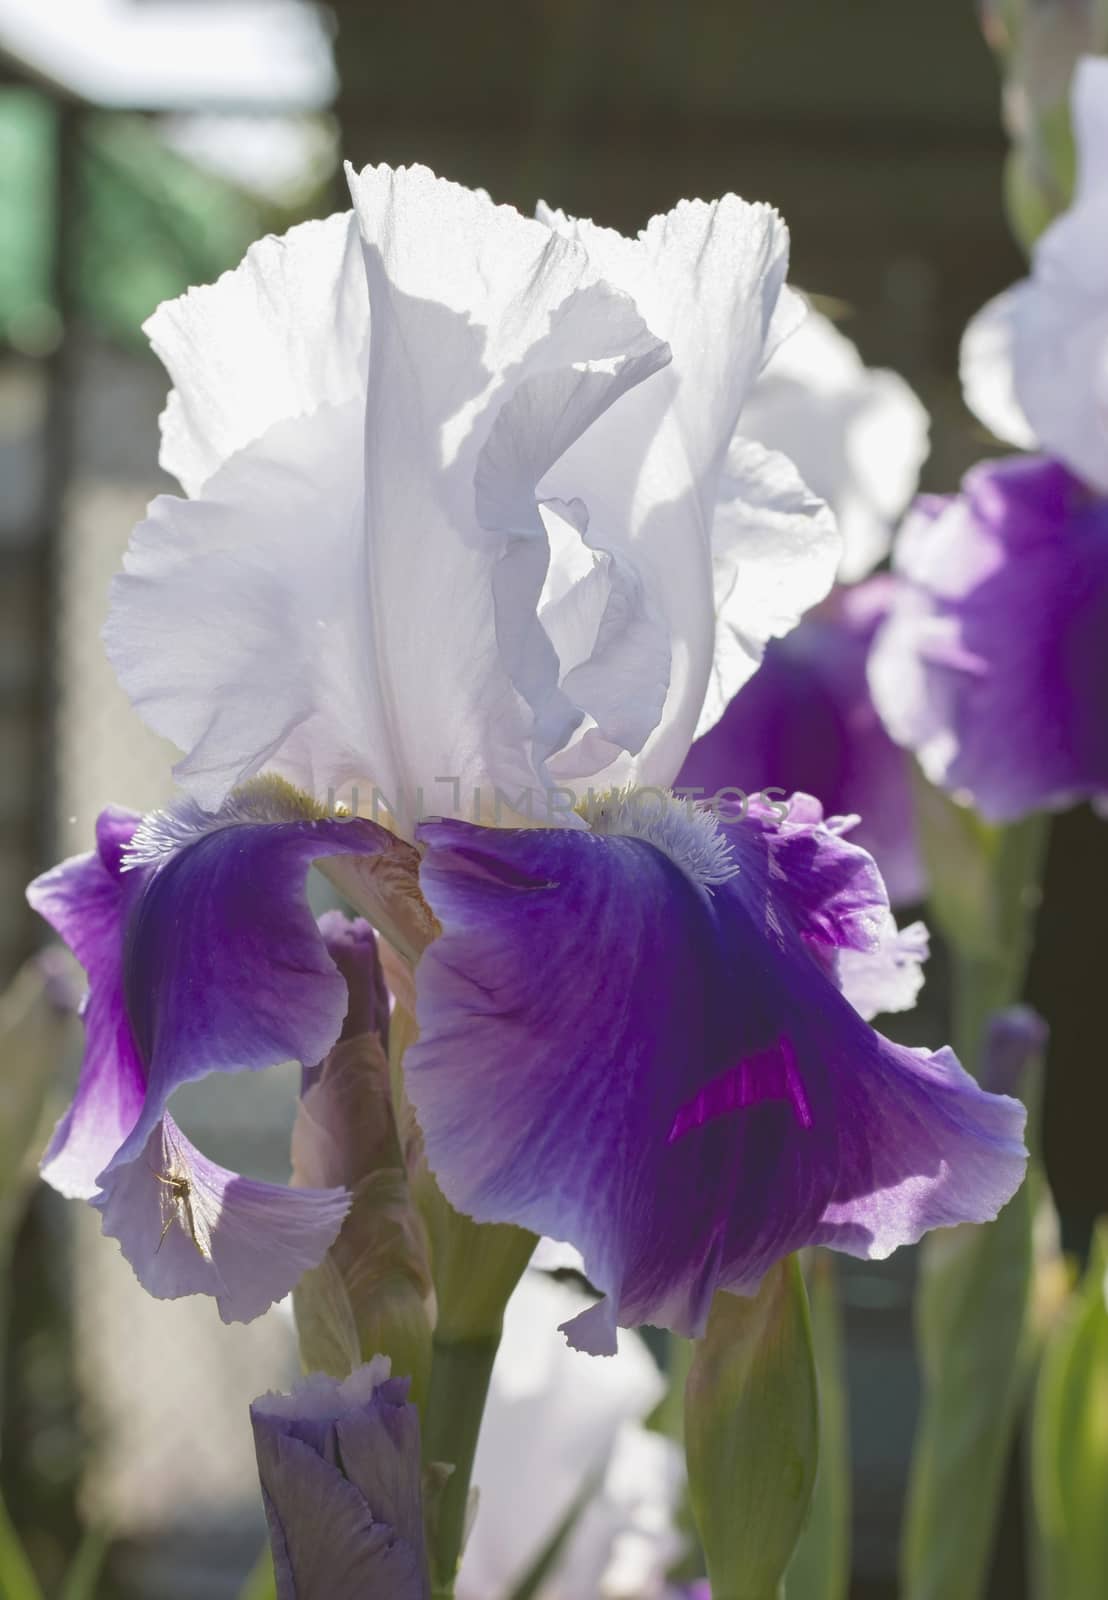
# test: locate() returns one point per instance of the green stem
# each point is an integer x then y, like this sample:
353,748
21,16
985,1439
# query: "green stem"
974,1288
460,1373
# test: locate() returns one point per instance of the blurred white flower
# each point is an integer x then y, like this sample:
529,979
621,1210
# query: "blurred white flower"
1035,359
858,434
562,1433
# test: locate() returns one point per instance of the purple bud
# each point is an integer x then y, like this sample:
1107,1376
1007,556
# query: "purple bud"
1014,1038
352,946
339,1465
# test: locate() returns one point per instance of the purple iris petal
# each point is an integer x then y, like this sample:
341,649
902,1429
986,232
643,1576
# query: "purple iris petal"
339,1465
188,1226
202,955
993,665
805,721
667,1075
86,901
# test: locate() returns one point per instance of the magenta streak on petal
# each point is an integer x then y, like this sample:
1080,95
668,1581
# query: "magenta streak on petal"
768,1075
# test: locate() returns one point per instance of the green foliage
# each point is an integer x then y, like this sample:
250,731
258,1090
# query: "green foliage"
261,1584
1070,1443
973,1298
972,1310
820,1567
752,1432
17,1578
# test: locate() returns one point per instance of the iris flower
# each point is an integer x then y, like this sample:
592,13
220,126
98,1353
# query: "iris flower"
1035,359
992,664
471,517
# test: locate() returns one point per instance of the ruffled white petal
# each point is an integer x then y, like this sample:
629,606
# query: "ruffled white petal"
281,335
987,371
495,355
481,556
575,625
1061,343
1035,360
857,435
239,626
776,549
710,280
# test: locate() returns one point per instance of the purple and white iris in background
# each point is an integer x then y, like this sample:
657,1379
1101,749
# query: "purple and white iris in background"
202,956
1035,359
340,1470
993,663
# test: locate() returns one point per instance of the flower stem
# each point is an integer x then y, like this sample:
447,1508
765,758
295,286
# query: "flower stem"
460,1372
973,1295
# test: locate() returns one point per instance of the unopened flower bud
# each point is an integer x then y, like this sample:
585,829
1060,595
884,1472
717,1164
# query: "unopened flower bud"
340,1474
1015,1040
373,1290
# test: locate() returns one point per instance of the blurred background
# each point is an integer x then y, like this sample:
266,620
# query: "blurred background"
143,145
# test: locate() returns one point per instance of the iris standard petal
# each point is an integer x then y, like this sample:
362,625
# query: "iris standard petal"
238,637
857,434
520,526
657,1064
992,664
283,335
317,654
710,280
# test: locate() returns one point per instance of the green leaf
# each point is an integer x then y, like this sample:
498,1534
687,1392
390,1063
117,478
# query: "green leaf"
17,1578
973,1295
84,1571
261,1584
972,1318
1070,1443
983,892
751,1434
820,1567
